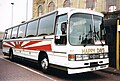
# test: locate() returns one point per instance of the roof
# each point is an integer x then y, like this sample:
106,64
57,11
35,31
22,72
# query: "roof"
75,10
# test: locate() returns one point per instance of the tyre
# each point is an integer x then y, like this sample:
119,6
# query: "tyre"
44,64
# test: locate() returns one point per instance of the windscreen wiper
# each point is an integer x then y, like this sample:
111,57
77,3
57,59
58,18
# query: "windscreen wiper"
95,34
86,41
89,33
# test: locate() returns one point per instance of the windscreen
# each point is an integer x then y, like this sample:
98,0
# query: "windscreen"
85,29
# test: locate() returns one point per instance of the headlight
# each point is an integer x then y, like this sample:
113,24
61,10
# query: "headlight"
101,55
105,55
85,57
82,57
79,57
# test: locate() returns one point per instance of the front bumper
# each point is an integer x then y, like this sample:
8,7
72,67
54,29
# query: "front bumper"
86,69
88,65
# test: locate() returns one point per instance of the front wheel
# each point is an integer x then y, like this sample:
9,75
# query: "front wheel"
44,64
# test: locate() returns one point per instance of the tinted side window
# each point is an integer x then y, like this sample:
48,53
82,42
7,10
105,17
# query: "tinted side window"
32,29
46,25
9,33
21,32
14,32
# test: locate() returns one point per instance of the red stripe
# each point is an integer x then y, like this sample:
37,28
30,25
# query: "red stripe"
44,47
31,42
10,43
5,46
20,43
15,43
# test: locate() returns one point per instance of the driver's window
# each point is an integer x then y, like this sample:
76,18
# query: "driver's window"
61,28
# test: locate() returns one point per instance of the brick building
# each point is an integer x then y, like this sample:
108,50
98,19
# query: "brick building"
44,6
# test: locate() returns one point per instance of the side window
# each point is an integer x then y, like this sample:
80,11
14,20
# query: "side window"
32,28
46,25
9,33
61,28
21,31
14,33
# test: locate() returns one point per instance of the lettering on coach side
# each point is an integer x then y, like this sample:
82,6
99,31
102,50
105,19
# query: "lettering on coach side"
100,50
87,51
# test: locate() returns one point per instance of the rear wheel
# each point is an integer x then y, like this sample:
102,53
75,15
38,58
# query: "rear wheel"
44,64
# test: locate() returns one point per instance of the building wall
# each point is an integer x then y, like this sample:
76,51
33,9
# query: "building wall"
118,4
36,3
100,5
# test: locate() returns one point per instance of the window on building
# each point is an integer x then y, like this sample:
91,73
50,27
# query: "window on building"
66,3
51,6
40,10
111,5
32,28
21,31
90,4
14,32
